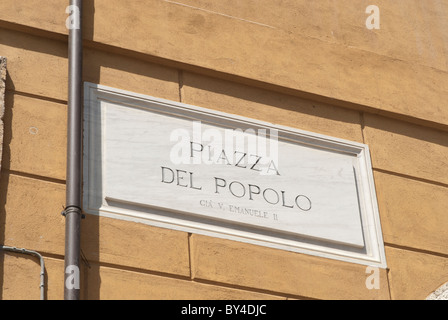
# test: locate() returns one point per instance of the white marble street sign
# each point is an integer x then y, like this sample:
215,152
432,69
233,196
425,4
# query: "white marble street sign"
188,168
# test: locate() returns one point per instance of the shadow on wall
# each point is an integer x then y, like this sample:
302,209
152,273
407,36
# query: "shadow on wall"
4,176
94,61
28,261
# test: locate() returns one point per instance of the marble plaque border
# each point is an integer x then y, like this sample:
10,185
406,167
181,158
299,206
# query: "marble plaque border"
95,202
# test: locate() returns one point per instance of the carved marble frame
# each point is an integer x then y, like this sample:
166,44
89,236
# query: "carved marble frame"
95,203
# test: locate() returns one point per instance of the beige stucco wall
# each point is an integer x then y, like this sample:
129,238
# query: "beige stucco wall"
311,65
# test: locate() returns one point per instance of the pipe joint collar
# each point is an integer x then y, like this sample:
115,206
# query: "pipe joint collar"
73,210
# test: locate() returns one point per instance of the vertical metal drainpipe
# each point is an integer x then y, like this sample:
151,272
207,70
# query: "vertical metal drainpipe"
73,211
